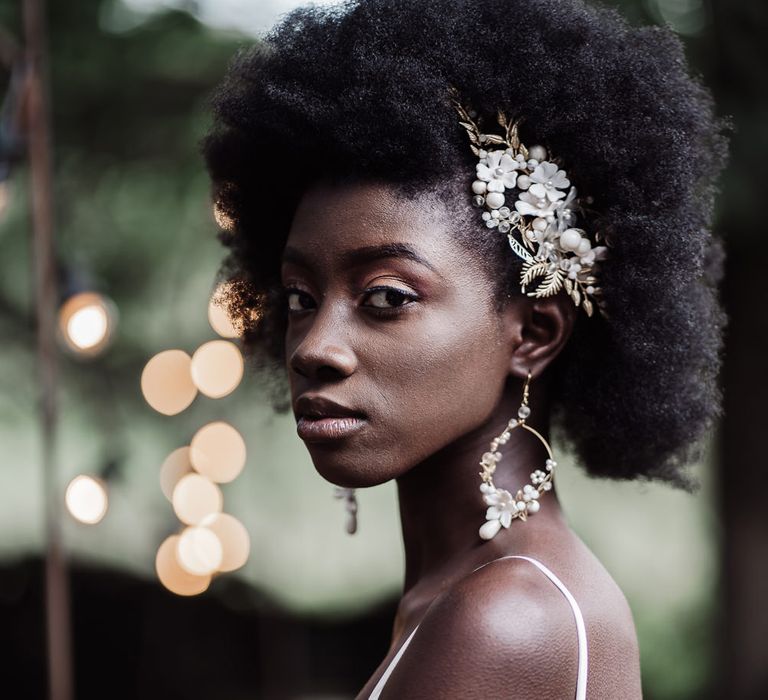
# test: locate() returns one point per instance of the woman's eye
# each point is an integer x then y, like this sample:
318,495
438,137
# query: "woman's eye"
383,299
298,300
388,297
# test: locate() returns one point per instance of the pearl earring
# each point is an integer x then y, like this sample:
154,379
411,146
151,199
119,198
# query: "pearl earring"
350,505
503,508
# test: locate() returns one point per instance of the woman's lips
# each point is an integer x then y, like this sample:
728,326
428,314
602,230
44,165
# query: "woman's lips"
312,429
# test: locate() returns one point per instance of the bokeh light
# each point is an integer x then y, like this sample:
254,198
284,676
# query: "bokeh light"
223,220
195,497
86,499
217,314
87,322
217,451
87,327
234,539
199,551
217,368
683,16
175,466
172,575
166,382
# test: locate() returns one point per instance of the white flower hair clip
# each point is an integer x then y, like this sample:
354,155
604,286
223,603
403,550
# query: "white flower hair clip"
543,209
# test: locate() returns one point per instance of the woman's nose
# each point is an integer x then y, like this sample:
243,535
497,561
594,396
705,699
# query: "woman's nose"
324,352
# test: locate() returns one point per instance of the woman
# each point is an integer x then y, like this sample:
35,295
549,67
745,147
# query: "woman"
455,227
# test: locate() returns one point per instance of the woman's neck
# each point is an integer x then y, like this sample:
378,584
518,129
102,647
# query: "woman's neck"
441,506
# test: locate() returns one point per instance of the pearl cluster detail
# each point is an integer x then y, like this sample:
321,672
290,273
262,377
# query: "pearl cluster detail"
503,506
556,253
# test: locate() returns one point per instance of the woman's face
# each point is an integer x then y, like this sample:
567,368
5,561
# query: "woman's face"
390,318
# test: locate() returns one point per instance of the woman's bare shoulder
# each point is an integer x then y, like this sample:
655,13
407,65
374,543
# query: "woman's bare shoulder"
506,630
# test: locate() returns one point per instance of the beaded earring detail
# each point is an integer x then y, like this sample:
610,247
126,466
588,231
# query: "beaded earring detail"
350,505
503,507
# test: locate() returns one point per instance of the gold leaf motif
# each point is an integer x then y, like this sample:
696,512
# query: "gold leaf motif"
552,284
587,306
568,285
512,138
533,270
472,135
576,296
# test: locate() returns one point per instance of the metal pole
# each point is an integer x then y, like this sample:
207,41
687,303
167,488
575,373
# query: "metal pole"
43,248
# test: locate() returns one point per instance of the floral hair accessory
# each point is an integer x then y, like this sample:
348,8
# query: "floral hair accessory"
543,209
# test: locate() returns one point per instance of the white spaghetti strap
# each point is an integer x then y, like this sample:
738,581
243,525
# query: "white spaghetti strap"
380,685
581,631
581,679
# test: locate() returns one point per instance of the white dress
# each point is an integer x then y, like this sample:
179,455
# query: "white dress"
581,632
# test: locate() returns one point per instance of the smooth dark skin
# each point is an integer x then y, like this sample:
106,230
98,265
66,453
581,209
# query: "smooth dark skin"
438,381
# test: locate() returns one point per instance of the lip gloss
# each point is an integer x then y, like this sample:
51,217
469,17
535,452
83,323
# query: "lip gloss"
331,428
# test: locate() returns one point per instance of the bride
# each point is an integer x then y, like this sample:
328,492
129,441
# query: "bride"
456,229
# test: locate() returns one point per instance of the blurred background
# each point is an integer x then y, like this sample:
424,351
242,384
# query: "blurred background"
289,606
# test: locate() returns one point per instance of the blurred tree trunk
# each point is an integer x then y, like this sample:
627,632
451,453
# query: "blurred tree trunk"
737,57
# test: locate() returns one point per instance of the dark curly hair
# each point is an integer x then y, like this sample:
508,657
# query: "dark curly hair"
359,91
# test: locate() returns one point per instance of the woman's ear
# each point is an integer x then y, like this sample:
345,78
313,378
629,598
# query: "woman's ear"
537,329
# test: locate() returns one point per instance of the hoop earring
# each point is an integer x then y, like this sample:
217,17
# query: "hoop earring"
503,508
350,505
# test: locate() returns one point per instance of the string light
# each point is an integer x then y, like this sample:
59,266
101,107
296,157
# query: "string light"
166,382
87,322
173,576
175,466
212,541
218,317
217,451
194,497
86,499
234,539
217,368
223,220
199,551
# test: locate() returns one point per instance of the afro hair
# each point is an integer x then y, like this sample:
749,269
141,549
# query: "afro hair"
359,90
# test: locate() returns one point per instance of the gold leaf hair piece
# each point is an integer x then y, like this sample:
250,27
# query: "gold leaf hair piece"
556,253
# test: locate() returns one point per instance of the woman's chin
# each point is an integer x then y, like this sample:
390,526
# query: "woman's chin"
345,473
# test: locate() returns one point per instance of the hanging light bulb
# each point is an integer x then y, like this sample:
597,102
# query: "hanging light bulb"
87,322
86,499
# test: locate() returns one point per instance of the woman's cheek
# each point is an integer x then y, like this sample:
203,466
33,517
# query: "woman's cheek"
440,389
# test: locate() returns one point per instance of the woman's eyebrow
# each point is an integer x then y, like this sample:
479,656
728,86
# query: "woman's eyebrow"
366,254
